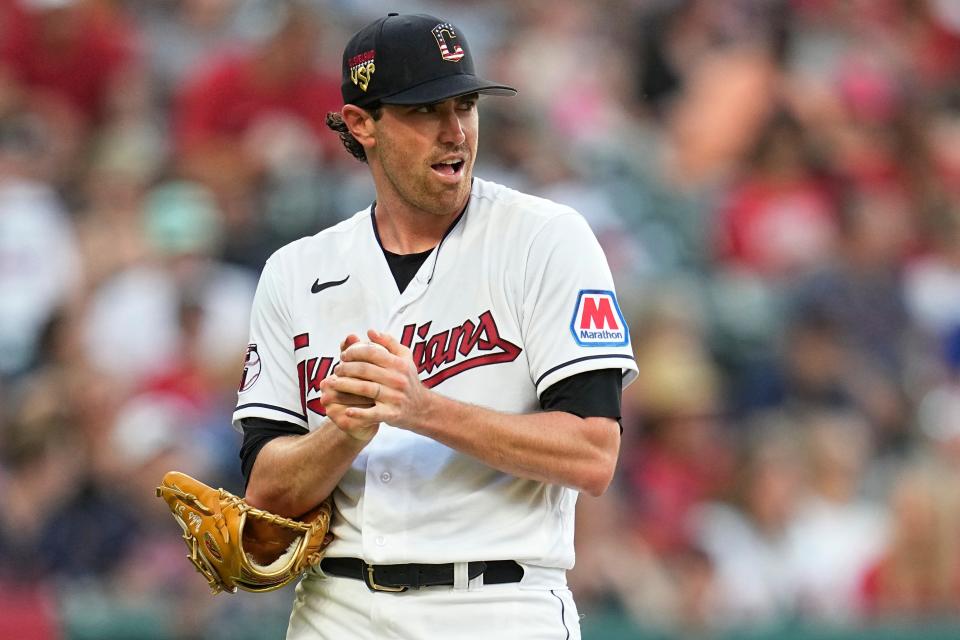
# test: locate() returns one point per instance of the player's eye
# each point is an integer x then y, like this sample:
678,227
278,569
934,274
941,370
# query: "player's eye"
468,102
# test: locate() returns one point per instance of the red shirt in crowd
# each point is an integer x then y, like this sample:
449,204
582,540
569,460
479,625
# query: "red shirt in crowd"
226,99
72,54
776,229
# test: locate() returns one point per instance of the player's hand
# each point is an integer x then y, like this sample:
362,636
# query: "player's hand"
361,430
337,403
332,396
387,376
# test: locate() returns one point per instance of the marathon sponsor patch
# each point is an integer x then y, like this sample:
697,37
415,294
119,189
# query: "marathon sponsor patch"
597,320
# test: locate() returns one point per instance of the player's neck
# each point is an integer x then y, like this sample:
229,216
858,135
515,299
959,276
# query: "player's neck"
404,229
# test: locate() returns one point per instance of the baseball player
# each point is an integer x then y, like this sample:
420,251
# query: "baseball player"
448,363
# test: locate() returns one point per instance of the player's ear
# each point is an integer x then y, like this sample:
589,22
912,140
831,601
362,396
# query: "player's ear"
360,123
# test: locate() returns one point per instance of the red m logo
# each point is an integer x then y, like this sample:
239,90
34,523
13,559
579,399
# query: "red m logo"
598,314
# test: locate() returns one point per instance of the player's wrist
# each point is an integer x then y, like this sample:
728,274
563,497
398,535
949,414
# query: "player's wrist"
353,436
362,435
427,414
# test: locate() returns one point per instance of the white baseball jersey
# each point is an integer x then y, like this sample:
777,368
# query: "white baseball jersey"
516,297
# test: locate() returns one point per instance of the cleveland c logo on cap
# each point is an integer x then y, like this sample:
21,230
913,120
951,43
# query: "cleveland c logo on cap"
442,32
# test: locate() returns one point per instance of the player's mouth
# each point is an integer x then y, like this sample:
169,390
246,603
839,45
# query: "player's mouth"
449,169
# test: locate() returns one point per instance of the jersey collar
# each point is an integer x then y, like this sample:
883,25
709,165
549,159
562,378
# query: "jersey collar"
376,231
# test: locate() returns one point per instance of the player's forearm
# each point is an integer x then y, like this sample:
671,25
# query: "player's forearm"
554,447
292,474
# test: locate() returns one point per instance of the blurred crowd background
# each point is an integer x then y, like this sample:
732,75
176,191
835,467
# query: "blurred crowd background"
776,184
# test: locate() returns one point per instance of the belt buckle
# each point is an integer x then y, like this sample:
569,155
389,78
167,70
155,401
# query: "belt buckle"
373,586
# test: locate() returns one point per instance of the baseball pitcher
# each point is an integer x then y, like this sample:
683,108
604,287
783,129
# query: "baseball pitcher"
446,365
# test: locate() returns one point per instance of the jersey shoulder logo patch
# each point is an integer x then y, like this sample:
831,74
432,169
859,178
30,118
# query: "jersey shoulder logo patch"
251,369
597,320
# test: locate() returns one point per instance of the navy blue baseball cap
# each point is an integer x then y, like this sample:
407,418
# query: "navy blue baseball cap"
410,59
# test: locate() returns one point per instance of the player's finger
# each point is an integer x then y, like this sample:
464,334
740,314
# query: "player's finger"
359,429
357,387
389,343
366,371
349,340
332,396
364,415
372,353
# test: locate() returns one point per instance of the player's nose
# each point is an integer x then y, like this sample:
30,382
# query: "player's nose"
451,127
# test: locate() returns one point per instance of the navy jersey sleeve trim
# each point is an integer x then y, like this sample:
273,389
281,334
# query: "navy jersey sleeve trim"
257,432
274,407
576,360
590,394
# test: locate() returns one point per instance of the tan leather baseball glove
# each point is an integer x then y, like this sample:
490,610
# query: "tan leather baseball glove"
235,545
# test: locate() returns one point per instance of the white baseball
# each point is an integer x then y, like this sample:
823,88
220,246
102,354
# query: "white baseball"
365,344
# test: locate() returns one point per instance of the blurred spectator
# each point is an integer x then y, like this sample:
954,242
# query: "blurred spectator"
778,219
43,471
109,226
932,282
561,182
727,99
817,366
571,77
150,584
70,52
944,135
680,459
748,537
859,299
675,36
836,531
917,576
40,267
602,554
255,120
179,33
33,484
67,60
184,306
125,158
664,595
58,411
938,416
233,94
512,138
932,41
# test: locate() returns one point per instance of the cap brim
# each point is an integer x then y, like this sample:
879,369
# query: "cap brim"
448,87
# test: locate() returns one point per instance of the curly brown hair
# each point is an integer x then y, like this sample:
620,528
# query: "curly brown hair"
335,122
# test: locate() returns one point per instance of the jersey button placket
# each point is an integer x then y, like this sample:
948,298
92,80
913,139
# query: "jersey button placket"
385,477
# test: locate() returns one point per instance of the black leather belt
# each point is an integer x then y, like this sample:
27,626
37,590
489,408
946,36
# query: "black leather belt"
400,577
